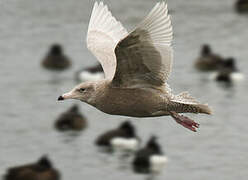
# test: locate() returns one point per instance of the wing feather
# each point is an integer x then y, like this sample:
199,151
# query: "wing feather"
104,32
144,57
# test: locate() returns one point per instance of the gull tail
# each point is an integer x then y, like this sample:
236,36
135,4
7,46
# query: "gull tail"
204,108
191,104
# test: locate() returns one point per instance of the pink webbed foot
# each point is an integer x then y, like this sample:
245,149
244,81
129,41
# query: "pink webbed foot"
185,121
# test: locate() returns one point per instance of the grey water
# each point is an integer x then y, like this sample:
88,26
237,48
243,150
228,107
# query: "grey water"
28,93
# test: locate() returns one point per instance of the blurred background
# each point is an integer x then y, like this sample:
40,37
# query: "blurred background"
29,92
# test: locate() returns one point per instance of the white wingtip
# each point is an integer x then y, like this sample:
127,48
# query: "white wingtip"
102,21
158,23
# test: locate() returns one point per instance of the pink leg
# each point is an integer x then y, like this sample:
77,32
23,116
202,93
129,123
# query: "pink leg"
185,121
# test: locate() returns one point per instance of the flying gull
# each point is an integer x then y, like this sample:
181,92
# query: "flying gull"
136,67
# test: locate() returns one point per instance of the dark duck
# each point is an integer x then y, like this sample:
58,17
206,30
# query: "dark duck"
124,137
40,170
208,61
149,159
71,120
56,59
228,72
241,6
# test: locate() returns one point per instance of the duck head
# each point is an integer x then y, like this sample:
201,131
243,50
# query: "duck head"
206,50
128,128
152,144
45,162
56,49
230,64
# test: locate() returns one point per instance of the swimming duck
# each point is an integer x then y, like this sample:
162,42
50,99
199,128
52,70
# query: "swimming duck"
93,73
41,170
124,137
149,159
55,59
71,120
208,61
228,72
241,6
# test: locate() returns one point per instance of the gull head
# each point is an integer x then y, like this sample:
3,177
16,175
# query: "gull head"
83,92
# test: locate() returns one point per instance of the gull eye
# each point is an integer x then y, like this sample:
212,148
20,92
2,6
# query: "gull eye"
81,90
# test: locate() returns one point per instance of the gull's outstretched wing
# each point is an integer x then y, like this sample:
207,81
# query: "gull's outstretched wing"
144,57
104,33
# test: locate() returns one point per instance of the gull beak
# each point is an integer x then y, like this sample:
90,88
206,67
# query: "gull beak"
60,98
68,95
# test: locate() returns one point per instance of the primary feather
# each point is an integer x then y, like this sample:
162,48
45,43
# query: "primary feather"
144,57
104,33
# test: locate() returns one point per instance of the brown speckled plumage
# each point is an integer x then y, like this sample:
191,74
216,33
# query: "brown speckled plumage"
136,66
